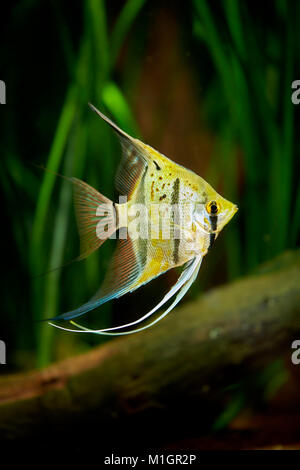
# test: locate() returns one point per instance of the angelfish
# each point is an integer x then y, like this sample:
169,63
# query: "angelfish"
149,180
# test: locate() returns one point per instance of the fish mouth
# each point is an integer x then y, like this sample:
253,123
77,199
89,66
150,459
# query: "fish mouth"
234,210
222,222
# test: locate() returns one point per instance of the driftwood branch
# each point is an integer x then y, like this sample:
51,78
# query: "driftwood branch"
168,382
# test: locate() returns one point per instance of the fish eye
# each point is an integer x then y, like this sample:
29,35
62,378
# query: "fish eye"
213,207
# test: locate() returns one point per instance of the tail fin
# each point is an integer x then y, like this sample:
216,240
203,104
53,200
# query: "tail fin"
96,217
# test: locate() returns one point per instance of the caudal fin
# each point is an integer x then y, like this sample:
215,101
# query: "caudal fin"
96,217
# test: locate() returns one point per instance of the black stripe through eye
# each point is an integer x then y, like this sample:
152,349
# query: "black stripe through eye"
213,222
212,237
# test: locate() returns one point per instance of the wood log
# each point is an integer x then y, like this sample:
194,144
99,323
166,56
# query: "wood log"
166,383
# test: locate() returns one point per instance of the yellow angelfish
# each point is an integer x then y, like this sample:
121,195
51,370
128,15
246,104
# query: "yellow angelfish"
170,218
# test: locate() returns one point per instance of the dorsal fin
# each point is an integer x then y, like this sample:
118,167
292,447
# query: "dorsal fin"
134,159
111,123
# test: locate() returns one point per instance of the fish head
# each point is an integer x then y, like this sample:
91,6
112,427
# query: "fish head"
214,213
222,209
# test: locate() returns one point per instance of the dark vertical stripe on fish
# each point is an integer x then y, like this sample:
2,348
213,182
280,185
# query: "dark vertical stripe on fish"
175,200
142,243
142,253
214,224
140,197
212,237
